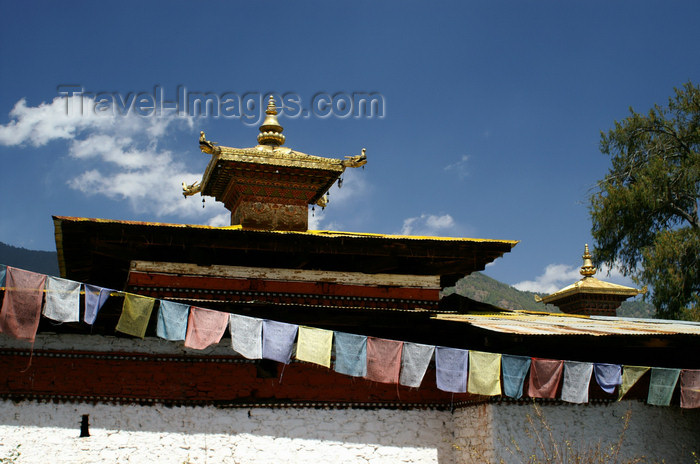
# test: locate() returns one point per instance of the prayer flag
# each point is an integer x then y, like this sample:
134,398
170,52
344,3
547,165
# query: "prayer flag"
415,359
350,354
484,373
630,376
383,360
3,270
172,320
95,297
21,307
514,372
577,378
315,346
690,388
205,327
246,336
451,369
278,340
545,375
661,385
62,302
136,313
608,376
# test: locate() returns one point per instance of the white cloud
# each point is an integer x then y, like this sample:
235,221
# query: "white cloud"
555,277
118,156
429,225
354,191
558,276
460,167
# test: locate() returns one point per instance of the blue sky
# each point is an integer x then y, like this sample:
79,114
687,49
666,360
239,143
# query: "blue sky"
492,110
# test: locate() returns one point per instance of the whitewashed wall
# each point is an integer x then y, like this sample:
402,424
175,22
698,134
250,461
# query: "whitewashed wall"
50,432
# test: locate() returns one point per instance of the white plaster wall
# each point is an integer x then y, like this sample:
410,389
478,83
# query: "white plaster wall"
49,432
660,434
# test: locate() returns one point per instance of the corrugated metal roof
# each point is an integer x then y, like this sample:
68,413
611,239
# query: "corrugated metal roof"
532,323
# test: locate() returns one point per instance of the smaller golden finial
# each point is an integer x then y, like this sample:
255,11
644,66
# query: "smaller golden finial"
587,270
270,130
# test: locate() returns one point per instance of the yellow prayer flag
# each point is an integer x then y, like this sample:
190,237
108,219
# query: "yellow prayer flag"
484,373
630,376
136,313
314,345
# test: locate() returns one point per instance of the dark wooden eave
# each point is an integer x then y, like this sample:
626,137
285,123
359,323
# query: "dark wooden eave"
100,251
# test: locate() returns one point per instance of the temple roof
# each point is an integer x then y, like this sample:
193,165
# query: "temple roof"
101,250
589,285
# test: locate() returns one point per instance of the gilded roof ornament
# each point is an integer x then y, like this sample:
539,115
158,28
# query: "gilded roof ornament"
270,130
587,270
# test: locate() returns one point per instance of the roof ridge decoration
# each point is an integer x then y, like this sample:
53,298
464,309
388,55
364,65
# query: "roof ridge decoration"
269,186
590,295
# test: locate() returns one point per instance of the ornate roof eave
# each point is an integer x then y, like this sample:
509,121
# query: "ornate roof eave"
589,285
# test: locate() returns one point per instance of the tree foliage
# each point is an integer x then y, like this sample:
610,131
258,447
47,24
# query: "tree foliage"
645,210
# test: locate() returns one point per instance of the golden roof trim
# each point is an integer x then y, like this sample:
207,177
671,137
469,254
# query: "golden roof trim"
317,233
591,285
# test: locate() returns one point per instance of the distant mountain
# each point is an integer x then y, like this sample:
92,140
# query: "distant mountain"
480,287
43,262
476,286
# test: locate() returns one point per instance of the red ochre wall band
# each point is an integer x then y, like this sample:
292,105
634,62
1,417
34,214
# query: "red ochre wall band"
139,378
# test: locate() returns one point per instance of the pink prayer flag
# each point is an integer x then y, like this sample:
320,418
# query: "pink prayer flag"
21,307
383,360
690,388
545,375
205,327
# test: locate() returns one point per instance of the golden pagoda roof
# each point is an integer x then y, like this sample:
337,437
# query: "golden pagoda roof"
590,285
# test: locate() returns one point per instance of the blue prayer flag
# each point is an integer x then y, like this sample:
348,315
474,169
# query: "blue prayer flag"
95,297
172,320
3,271
514,369
350,354
661,385
451,369
608,376
278,340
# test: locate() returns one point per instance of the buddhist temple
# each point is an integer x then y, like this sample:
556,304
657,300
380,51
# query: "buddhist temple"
590,295
92,389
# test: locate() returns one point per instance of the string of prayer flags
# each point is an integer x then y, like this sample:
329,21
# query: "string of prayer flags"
484,373
608,376
315,345
577,378
246,336
62,302
136,312
21,307
661,385
383,360
451,369
205,327
545,375
350,354
3,270
630,376
278,340
172,320
514,369
95,297
690,388
415,358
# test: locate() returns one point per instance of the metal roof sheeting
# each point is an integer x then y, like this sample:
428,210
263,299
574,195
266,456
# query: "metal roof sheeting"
531,323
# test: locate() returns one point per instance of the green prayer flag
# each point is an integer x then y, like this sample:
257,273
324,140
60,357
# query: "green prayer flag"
136,313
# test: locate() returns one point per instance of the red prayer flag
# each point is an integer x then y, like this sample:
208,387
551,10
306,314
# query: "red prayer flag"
383,360
545,375
205,327
21,307
690,388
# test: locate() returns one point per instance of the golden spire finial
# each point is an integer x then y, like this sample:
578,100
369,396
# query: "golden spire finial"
270,130
587,270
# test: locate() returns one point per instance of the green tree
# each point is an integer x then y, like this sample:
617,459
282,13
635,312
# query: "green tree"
645,210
